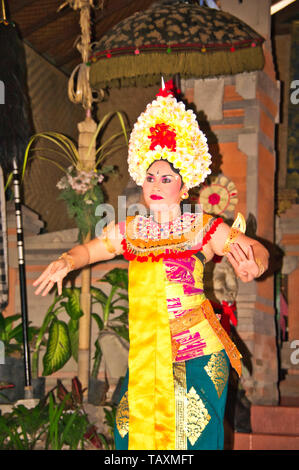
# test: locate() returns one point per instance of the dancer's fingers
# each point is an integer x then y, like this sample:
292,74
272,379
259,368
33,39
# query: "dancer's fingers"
43,276
48,288
251,253
232,260
59,286
241,256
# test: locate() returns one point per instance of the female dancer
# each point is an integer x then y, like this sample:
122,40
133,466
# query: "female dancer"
174,393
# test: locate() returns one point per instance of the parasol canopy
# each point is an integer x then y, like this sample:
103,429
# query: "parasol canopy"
174,38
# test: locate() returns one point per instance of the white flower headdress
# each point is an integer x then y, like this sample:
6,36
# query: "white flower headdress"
166,130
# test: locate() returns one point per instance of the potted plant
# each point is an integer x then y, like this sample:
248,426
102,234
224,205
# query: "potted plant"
12,366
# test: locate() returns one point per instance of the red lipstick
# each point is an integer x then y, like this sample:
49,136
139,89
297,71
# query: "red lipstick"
155,197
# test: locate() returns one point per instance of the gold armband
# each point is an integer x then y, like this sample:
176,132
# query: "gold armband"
239,226
69,259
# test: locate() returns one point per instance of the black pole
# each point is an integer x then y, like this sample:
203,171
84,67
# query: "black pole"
22,277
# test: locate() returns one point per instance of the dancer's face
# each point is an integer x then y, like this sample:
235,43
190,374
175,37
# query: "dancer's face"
162,188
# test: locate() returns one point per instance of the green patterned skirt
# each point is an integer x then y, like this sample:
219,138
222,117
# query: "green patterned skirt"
200,396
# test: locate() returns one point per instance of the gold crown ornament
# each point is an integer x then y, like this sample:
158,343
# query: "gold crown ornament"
166,130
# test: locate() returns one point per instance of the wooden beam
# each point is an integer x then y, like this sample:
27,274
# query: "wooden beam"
73,32
15,6
62,61
115,6
42,22
111,8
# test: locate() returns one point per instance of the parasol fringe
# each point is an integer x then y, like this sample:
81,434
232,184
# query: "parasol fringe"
145,70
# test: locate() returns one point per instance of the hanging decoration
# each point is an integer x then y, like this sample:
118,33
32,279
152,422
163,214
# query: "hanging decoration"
174,38
79,89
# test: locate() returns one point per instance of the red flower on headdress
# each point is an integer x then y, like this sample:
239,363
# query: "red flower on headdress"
162,135
169,89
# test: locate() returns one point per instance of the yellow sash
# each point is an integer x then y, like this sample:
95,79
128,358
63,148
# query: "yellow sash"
151,387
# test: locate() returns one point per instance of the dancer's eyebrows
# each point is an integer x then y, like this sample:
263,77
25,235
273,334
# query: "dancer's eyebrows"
163,176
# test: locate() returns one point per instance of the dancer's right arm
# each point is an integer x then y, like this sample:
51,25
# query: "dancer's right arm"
105,247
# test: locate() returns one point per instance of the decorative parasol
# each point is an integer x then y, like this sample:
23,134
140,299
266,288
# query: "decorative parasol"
172,38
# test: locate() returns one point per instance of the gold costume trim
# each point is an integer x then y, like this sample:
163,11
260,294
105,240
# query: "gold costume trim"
186,321
218,371
180,389
122,416
198,315
192,417
200,227
230,348
197,416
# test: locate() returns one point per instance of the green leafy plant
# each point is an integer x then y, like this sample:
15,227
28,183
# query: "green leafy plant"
65,428
22,427
68,422
60,338
57,422
11,334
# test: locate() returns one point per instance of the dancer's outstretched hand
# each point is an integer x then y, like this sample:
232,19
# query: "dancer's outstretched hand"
54,273
243,262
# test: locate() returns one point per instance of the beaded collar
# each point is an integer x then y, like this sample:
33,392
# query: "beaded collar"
145,239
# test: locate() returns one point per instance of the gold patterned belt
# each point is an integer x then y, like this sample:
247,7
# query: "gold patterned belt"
195,316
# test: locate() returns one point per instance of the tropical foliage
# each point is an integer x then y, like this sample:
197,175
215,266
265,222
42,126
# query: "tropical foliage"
62,340
11,334
61,337
59,421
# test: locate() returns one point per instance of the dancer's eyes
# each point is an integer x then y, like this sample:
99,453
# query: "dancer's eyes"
165,179
149,179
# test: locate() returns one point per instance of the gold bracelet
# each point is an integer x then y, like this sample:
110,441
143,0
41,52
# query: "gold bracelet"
261,267
69,260
108,245
239,226
233,234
